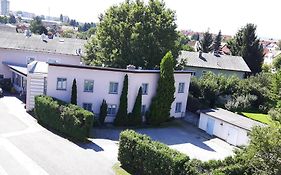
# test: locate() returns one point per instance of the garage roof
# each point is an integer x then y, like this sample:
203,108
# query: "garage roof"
232,118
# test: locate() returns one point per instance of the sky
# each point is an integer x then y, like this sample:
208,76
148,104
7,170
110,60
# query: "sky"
197,15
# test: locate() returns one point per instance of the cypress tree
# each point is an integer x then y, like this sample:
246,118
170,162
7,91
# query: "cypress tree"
161,104
135,118
74,93
103,112
121,116
206,42
217,43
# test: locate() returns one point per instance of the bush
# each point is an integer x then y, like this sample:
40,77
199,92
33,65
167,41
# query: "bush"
68,119
241,103
140,155
103,112
193,104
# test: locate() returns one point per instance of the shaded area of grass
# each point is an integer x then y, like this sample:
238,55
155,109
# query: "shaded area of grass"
264,118
118,170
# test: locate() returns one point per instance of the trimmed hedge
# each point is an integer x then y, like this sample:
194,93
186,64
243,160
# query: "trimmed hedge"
68,119
140,155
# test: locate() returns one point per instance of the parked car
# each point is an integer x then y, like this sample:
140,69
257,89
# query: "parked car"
1,92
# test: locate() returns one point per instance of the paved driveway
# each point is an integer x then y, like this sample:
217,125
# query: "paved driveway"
178,135
27,148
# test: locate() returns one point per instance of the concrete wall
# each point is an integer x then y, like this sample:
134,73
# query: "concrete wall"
21,57
221,129
199,72
102,79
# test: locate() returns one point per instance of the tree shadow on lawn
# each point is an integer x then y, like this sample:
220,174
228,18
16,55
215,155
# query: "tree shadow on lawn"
169,134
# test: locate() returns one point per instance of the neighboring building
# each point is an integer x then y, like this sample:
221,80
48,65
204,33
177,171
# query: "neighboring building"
200,63
17,50
231,127
97,83
5,7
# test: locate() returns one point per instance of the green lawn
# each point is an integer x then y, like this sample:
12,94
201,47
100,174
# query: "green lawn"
264,118
118,170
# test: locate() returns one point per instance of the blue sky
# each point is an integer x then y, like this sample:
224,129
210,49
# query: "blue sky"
198,15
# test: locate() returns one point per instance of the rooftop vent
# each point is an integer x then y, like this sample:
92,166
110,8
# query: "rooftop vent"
131,67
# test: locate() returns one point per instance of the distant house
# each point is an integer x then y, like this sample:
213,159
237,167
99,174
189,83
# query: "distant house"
231,127
200,63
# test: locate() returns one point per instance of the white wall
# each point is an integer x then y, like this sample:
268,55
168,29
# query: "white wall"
21,57
102,78
221,129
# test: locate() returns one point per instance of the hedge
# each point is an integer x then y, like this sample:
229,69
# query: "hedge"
140,155
68,119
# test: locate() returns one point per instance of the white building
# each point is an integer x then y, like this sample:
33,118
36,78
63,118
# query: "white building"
17,50
5,7
231,127
97,83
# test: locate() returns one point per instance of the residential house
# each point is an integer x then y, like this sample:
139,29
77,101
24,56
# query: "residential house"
200,63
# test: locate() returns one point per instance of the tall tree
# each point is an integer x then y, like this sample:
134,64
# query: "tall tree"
36,26
74,93
134,33
206,42
12,19
135,118
122,113
103,112
246,44
161,104
217,43
61,18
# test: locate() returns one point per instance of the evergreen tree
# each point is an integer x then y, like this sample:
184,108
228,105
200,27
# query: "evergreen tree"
12,19
74,93
206,42
217,43
103,112
246,44
61,18
121,116
135,118
161,104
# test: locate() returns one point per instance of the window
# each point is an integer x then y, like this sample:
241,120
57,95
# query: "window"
144,88
87,106
181,88
88,86
178,107
111,109
113,88
143,110
61,83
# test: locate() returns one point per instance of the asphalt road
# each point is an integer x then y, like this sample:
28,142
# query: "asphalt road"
26,148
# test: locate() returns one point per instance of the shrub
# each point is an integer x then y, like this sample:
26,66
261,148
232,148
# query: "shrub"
74,93
140,155
135,118
68,119
121,116
241,103
193,104
103,112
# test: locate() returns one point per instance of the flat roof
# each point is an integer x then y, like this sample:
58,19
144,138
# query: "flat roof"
232,118
116,69
21,69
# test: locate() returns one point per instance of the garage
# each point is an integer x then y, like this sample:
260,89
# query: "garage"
231,127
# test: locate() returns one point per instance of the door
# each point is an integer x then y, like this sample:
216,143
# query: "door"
210,126
232,135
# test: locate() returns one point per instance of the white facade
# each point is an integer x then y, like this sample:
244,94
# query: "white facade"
102,78
232,134
21,57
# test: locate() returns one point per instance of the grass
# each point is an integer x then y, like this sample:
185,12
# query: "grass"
264,118
118,170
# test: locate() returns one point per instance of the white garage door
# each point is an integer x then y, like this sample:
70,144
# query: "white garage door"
232,135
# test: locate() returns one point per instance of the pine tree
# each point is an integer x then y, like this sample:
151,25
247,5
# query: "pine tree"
121,116
206,42
161,104
217,43
135,118
103,112
74,93
246,44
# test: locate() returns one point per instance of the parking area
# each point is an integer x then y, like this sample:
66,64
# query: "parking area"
27,148
178,135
